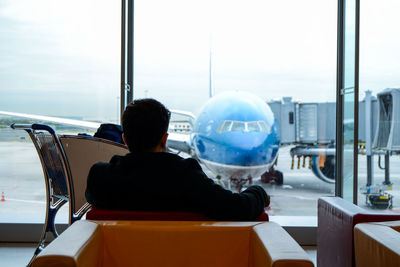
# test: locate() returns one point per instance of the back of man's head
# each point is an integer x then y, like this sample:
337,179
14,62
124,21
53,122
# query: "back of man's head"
144,123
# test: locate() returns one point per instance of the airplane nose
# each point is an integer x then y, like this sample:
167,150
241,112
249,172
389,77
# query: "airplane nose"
250,157
250,149
247,142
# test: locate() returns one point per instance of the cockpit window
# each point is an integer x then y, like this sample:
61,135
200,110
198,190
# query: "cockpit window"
238,126
243,126
224,126
264,126
253,127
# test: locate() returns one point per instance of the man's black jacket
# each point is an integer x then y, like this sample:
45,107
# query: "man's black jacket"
149,181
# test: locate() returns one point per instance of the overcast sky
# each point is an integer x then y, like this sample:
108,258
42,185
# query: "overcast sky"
62,57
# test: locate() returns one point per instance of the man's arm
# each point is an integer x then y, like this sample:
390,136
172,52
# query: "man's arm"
219,203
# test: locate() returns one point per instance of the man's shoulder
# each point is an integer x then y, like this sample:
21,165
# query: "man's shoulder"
192,163
100,165
173,163
151,162
99,169
174,157
104,168
184,162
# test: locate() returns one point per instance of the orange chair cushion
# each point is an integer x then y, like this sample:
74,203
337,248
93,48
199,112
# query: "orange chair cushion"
103,214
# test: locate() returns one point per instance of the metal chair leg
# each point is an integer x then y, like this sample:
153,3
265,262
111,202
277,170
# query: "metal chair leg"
48,227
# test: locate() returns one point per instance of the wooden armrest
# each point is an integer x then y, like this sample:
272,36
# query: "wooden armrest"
79,245
271,244
377,244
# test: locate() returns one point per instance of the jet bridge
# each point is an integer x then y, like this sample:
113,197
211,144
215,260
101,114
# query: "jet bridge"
311,129
305,123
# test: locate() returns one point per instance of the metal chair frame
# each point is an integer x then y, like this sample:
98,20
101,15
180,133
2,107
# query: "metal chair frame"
54,200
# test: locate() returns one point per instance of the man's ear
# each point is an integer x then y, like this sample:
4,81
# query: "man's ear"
164,142
123,138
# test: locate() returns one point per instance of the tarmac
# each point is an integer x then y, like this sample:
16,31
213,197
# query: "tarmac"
22,188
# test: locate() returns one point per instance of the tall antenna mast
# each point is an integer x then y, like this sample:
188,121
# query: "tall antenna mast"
211,89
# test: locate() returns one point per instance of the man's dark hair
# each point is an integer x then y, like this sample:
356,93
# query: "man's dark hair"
144,122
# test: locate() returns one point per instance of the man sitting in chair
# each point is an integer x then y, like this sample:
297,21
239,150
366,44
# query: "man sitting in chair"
150,179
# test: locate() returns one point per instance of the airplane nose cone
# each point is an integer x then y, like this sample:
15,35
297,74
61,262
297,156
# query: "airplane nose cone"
236,129
246,142
233,151
251,154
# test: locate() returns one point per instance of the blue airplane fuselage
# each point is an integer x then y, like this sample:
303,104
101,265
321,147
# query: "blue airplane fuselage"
236,135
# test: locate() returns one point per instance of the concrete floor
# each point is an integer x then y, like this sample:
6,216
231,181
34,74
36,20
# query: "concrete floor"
16,254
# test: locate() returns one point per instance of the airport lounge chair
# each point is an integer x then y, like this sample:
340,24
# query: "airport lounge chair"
336,221
81,153
66,161
174,243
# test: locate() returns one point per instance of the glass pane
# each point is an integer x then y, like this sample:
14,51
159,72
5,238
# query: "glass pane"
348,99
253,127
238,126
264,126
378,170
272,49
225,126
59,59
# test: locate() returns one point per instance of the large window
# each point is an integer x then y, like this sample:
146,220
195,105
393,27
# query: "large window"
282,51
63,59
378,172
57,59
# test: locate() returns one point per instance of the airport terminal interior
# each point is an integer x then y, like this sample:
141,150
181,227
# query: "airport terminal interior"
298,97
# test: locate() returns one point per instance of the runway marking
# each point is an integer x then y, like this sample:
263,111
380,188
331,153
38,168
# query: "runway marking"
26,201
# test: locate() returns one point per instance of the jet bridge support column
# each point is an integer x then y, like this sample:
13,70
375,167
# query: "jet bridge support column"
368,139
387,168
